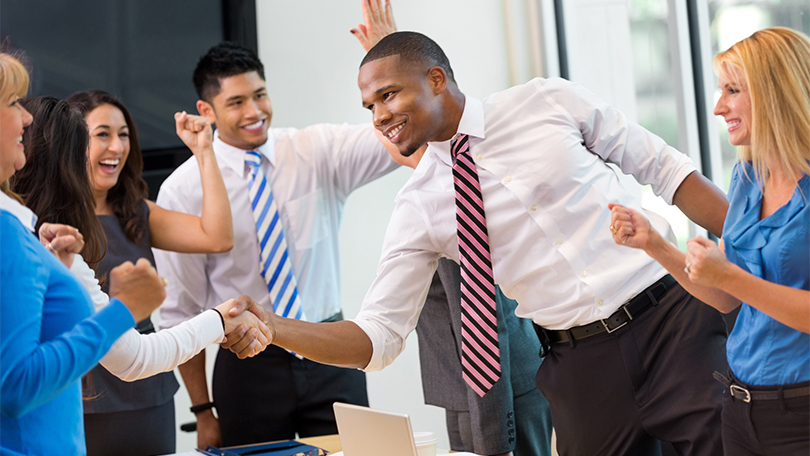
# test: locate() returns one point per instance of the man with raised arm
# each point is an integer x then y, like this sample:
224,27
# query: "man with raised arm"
630,353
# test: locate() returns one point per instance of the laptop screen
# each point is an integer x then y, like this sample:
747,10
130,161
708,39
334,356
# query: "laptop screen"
367,432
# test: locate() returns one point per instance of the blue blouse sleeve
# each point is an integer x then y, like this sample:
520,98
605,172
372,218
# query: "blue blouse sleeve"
45,348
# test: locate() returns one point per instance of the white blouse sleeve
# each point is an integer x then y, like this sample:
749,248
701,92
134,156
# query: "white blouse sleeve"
135,356
88,278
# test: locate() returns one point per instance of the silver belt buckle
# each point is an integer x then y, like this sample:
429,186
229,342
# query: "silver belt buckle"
740,390
607,328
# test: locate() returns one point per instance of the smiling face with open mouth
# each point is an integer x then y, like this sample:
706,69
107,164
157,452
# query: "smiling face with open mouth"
734,105
108,149
241,110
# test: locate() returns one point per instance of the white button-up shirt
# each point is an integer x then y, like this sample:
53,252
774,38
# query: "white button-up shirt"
311,171
541,151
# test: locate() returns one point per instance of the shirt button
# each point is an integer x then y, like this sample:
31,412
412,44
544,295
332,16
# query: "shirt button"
583,273
532,208
559,241
599,302
507,179
479,157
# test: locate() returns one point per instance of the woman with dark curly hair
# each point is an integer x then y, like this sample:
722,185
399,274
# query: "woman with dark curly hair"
133,225
115,165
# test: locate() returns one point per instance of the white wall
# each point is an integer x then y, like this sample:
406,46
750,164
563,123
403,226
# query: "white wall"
311,63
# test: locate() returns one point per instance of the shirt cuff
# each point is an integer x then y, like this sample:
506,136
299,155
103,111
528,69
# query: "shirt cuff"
381,344
684,169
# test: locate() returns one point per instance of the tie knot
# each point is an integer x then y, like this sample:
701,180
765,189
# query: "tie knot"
253,160
459,145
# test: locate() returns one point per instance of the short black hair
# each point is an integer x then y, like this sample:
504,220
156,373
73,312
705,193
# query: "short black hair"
222,61
412,48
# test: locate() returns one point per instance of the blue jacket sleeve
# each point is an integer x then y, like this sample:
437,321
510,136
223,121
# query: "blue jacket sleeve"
45,346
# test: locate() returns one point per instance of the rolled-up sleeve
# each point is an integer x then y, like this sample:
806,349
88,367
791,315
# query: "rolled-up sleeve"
392,305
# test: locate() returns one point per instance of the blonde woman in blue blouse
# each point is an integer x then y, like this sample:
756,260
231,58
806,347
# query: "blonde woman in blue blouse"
763,261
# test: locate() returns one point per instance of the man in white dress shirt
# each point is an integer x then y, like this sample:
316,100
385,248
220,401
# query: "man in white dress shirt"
311,173
631,354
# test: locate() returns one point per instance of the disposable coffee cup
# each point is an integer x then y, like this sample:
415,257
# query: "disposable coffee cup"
425,443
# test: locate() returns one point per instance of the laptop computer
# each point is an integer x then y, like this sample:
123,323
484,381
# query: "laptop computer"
367,432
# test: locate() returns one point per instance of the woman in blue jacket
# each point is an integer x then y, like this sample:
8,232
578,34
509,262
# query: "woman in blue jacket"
763,261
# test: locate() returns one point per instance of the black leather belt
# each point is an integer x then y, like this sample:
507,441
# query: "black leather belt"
748,393
616,320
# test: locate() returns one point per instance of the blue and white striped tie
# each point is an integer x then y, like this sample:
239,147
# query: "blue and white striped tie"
274,261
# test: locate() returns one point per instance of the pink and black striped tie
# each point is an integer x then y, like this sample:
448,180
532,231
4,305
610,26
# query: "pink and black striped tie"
479,325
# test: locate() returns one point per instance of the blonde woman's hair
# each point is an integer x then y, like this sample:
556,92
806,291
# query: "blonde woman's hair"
13,77
13,81
775,63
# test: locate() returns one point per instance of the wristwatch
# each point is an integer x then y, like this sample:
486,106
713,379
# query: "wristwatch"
195,409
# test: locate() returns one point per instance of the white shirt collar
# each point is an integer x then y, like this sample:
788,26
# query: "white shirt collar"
471,123
234,157
23,214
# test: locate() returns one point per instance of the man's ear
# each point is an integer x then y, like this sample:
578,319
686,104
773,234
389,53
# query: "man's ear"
206,110
437,79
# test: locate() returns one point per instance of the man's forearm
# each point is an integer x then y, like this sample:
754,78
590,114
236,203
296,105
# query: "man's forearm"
193,373
702,202
341,343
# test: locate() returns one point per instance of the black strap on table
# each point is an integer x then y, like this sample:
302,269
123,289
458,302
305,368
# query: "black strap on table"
624,315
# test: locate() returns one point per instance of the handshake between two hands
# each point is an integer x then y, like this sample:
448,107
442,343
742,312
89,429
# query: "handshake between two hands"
141,290
246,326
246,331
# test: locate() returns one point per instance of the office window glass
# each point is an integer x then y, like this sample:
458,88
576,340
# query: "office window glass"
732,21
656,92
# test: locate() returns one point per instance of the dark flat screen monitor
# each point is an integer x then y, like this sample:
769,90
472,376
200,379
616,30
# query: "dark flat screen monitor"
142,51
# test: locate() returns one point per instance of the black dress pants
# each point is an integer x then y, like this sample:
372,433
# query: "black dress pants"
779,427
619,393
274,396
